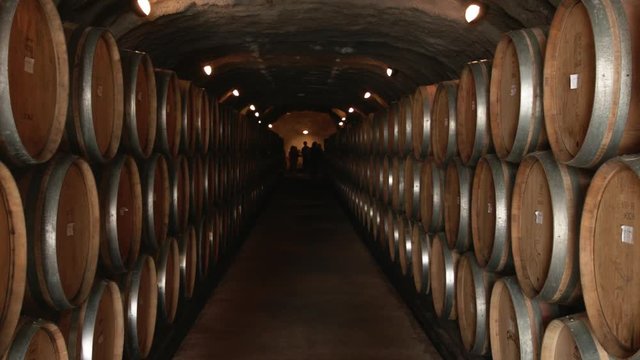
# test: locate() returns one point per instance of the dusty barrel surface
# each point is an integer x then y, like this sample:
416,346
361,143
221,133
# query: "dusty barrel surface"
609,252
155,201
420,259
473,129
96,105
473,293
63,231
517,120
140,103
168,277
443,264
120,194
571,337
188,262
431,196
490,213
592,81
37,339
545,217
140,302
444,122
457,205
95,330
169,113
516,323
412,170
35,70
421,121
179,195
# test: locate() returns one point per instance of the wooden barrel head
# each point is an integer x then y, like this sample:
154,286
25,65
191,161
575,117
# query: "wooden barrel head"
505,338
108,332
442,269
505,93
420,255
161,199
571,337
129,207
188,261
421,120
483,212
141,302
145,100
452,204
466,302
37,340
431,193
169,113
168,280
205,124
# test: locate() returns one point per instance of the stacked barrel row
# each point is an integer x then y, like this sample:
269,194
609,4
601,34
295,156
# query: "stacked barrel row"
123,190
502,195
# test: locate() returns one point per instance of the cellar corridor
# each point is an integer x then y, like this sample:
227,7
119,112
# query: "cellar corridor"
304,286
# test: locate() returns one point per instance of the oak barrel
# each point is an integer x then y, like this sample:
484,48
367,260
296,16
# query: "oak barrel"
393,128
196,188
443,122
473,293
120,194
140,302
457,205
516,323
404,246
35,70
490,213
396,236
545,216
412,170
405,126
381,121
517,120
421,121
387,180
179,195
443,265
473,129
191,116
155,201
420,257
169,113
431,196
168,271
37,339
609,252
188,262
206,242
140,104
96,104
205,123
62,217
571,337
95,330
592,81
397,191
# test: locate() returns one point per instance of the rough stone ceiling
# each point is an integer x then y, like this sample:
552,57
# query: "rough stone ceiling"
311,54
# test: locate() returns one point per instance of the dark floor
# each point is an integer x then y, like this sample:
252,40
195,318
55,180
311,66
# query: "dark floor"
305,287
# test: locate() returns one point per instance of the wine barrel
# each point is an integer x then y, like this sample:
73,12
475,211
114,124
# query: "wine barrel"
592,81
396,235
420,256
372,170
490,213
37,340
457,205
431,196
473,292
155,201
421,121
13,256
443,265
140,298
397,191
517,121
62,217
179,195
412,170
376,222
387,180
35,70
473,130
214,138
381,120
188,262
404,246
140,104
443,121
609,252
516,323
213,170
545,216
169,117
168,277
196,189
393,126
387,228
120,197
205,123
191,116
206,238
96,103
405,126
571,337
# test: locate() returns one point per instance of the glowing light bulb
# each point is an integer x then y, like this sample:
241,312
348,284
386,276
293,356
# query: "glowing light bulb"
252,107
259,121
144,6
270,126
344,118
257,114
472,12
367,95
351,110
341,123
306,132
207,70
389,71
235,92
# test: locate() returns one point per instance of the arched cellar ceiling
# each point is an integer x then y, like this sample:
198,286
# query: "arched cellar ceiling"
310,54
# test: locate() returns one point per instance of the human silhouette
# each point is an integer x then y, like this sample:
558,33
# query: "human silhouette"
293,158
306,152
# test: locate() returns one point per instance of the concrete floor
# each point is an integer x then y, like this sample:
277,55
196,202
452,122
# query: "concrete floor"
305,287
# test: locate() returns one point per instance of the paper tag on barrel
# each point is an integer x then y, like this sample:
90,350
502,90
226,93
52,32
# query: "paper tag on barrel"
626,234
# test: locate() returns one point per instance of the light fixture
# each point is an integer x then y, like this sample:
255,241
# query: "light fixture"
270,126
235,92
207,70
341,123
142,7
257,114
306,132
252,107
259,121
389,71
367,95
473,12
351,110
344,118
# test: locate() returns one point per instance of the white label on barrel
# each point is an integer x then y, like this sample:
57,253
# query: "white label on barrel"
573,81
123,210
70,229
29,64
514,90
210,235
539,216
489,208
627,234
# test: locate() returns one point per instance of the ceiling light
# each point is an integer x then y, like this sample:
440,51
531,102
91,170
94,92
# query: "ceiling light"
257,114
344,118
473,12
259,121
270,126
207,70
235,92
252,107
367,95
341,123
389,71
351,110
143,7
306,132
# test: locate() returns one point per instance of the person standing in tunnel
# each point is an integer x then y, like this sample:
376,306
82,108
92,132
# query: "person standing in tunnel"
306,155
293,158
